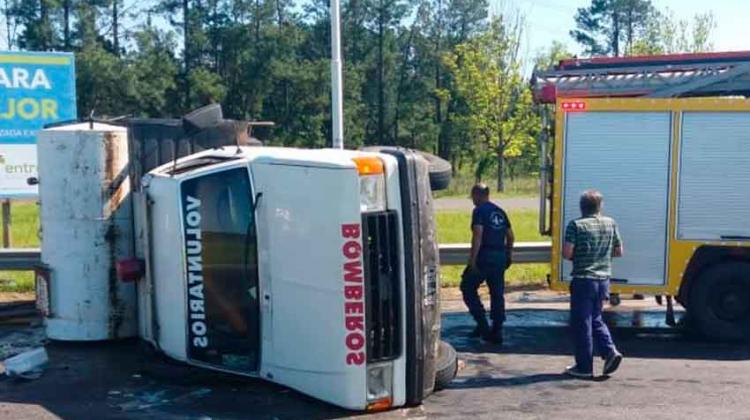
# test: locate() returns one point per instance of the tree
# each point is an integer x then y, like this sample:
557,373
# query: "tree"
551,56
10,20
452,22
611,26
666,35
154,70
36,19
102,82
486,74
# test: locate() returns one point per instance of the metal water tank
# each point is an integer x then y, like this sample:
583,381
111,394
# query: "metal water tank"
86,218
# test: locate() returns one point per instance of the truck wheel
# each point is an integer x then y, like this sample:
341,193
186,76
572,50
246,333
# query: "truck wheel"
441,172
720,301
446,366
440,169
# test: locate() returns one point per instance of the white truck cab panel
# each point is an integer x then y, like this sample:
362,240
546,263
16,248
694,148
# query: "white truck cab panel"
269,262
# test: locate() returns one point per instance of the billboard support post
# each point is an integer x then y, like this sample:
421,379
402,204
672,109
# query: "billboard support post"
6,223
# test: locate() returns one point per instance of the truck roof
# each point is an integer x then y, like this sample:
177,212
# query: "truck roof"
656,76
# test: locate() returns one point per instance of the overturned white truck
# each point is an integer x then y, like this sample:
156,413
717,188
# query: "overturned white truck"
315,269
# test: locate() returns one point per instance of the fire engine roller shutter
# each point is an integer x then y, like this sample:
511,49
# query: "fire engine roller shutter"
714,176
626,156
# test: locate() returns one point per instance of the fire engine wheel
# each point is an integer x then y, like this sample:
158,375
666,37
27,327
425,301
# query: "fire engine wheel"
440,169
720,301
446,367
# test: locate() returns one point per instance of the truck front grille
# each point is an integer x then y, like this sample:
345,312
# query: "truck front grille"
382,286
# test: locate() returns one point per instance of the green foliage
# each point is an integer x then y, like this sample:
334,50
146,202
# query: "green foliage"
633,27
666,35
612,27
551,55
487,77
207,86
101,81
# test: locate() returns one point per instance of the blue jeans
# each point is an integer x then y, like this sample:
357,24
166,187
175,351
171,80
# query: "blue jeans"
588,327
490,268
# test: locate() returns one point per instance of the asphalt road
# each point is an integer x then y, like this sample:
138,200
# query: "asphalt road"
666,374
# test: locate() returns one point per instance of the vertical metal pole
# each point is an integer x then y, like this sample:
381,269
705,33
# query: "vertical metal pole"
543,175
337,96
6,224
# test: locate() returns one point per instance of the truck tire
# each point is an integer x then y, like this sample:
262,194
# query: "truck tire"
440,169
720,301
441,172
446,366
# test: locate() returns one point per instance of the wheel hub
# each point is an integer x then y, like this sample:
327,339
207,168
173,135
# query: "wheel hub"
732,303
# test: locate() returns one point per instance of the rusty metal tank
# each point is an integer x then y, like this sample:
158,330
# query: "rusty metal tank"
86,217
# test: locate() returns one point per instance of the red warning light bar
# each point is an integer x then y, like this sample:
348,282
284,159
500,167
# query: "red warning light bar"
573,106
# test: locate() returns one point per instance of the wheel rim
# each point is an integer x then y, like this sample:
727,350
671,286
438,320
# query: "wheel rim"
730,301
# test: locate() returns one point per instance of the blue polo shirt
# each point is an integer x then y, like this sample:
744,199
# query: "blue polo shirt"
495,224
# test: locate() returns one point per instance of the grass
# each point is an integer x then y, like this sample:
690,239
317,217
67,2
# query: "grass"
525,186
453,227
24,234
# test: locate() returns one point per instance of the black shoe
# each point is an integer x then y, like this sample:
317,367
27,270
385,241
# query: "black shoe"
612,363
480,331
495,336
476,332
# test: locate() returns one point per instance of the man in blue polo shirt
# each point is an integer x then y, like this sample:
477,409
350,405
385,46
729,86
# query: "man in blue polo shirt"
491,254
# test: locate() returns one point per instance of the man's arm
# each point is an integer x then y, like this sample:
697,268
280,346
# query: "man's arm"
569,247
476,243
617,249
510,239
568,251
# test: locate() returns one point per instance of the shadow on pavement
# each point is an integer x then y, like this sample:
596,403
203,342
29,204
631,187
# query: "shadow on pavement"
552,338
482,382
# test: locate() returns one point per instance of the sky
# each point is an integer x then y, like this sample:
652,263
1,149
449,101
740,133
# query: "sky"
548,20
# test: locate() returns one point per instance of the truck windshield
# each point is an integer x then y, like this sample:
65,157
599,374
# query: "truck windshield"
222,270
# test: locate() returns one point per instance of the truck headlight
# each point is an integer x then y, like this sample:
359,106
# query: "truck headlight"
371,193
379,384
371,183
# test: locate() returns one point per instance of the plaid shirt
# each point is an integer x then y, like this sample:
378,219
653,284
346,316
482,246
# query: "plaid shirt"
594,238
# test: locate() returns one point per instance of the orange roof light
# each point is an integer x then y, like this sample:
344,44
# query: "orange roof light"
369,165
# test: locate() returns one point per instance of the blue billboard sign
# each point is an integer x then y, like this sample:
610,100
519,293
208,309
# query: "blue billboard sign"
35,89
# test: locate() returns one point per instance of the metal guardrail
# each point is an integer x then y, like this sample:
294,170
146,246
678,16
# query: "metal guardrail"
450,254
20,258
523,253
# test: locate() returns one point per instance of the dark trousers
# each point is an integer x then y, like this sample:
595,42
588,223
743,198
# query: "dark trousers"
490,268
588,328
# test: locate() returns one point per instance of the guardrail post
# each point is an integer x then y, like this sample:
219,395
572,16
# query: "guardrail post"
6,224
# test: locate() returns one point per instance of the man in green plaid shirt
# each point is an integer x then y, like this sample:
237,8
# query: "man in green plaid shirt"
591,242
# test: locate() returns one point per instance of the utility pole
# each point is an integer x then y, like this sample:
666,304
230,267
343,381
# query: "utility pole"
337,95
